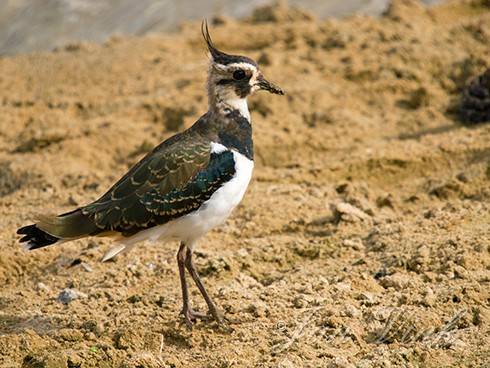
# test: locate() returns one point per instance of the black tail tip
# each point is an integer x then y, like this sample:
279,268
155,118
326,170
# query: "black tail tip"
35,238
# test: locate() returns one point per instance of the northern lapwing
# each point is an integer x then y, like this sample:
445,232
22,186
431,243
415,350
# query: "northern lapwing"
182,189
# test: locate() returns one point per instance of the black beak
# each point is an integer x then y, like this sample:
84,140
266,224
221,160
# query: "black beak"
265,85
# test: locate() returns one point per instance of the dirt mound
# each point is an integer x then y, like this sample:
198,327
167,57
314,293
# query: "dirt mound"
363,239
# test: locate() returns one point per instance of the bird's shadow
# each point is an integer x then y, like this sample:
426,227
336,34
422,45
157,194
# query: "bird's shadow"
180,336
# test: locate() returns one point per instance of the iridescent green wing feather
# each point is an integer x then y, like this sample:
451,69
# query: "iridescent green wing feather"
170,182
168,167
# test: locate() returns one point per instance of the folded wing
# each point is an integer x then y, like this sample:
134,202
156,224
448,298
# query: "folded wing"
173,180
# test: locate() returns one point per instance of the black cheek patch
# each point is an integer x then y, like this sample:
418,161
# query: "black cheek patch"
243,89
223,82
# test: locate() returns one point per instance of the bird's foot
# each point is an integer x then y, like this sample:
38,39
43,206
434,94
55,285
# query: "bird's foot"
191,316
222,321
217,315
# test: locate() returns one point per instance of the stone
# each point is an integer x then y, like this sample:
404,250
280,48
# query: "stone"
346,212
66,296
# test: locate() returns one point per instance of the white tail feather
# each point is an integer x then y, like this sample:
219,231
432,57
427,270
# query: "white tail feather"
114,251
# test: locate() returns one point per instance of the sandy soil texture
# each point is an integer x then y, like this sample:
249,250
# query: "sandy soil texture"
363,239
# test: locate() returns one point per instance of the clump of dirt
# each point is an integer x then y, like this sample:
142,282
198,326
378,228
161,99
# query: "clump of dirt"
475,101
9,180
279,12
363,239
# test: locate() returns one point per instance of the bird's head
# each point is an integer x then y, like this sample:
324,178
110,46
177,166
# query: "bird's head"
233,77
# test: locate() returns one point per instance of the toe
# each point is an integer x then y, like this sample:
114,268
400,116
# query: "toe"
189,318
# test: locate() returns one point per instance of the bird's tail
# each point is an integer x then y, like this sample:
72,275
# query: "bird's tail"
53,229
35,238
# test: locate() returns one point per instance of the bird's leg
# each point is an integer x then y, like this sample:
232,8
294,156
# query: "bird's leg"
183,283
190,315
189,264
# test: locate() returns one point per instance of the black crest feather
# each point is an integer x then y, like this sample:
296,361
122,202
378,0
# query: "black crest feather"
219,56
209,42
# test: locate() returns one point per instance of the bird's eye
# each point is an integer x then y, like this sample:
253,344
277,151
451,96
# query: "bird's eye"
239,74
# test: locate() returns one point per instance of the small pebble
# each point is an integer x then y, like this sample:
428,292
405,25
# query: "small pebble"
300,302
342,286
86,267
429,298
66,296
134,299
367,298
42,287
462,177
351,311
347,212
355,244
160,301
93,326
340,362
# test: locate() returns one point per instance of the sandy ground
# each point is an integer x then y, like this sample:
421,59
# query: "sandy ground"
363,239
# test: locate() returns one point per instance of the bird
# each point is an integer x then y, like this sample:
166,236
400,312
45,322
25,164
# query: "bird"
183,188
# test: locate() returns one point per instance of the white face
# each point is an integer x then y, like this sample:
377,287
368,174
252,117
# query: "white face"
235,80
233,76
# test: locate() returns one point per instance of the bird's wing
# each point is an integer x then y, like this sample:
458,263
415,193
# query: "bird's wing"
172,181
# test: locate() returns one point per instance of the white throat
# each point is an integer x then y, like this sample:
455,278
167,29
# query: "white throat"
239,104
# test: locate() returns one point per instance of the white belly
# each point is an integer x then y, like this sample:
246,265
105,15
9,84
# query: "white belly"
216,209
212,213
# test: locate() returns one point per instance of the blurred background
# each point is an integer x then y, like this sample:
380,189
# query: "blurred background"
27,25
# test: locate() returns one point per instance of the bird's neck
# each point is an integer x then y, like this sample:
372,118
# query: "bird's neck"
221,101
228,121
223,106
